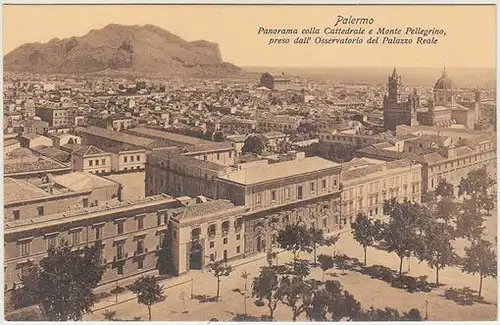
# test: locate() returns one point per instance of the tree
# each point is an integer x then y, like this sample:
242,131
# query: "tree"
446,209
62,282
295,238
363,231
148,291
218,136
444,189
109,315
254,144
388,315
401,233
244,276
437,247
271,256
469,221
330,300
265,287
317,239
480,259
220,269
296,293
326,262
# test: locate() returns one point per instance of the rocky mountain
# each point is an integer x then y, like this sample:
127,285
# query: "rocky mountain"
114,48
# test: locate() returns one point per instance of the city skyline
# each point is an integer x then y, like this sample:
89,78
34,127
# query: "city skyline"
26,24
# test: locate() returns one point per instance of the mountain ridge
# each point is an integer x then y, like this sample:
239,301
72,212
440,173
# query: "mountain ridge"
128,48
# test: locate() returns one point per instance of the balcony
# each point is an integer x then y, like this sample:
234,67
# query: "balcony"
225,231
212,234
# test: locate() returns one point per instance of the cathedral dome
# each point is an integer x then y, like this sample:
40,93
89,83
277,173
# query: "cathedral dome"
444,83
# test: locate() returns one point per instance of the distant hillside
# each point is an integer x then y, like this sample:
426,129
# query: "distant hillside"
117,48
463,77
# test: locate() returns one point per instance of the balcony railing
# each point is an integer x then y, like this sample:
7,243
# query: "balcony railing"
140,252
120,257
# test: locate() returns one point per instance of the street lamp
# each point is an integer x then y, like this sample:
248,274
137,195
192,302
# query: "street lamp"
426,309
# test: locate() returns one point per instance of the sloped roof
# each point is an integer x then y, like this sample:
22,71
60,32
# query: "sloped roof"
80,181
87,150
206,208
20,190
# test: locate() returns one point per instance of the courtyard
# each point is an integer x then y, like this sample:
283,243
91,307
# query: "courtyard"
133,185
370,292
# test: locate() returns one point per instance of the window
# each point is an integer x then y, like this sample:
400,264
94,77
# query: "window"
98,233
237,249
312,187
238,236
212,230
140,264
138,158
323,183
238,224
97,162
225,227
287,193
51,241
131,158
324,223
119,269
299,192
75,238
91,163
273,195
17,214
39,210
218,156
120,253
258,198
212,258
224,241
119,228
161,239
212,244
140,246
24,248
85,202
103,161
140,223
225,255
125,159
230,154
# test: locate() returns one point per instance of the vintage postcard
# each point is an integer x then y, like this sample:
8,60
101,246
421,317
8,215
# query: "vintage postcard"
250,162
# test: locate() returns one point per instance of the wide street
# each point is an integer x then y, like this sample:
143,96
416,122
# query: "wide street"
370,292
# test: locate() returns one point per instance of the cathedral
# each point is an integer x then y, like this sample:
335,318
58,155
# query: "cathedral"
442,109
396,110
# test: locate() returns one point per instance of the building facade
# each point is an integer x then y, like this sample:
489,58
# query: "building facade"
367,185
305,190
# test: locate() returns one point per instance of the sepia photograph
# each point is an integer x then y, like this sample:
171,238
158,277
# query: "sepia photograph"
249,163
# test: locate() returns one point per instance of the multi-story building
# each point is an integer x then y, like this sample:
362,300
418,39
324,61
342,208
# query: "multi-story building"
442,157
114,122
204,232
231,125
92,160
169,172
131,235
217,152
277,123
49,195
113,141
304,190
55,115
367,184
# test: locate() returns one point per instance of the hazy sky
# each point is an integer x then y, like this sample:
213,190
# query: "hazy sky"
470,39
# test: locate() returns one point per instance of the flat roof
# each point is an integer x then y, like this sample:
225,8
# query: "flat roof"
168,136
259,174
